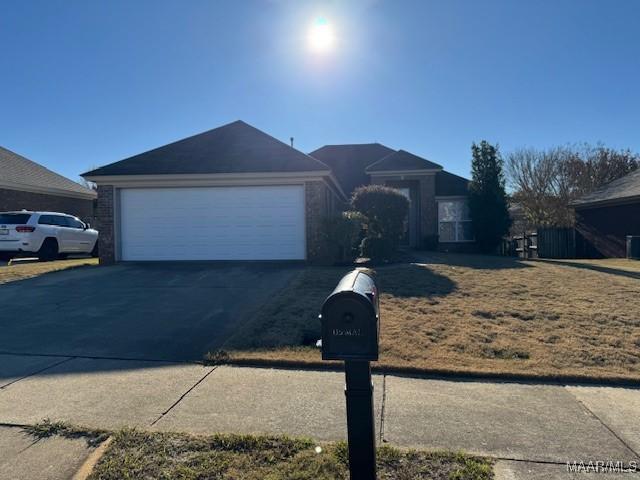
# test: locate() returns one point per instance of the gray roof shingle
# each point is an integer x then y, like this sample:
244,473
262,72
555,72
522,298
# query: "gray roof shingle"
348,162
20,173
450,184
233,148
620,190
402,160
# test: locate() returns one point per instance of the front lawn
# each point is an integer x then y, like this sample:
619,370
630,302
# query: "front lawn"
27,269
472,313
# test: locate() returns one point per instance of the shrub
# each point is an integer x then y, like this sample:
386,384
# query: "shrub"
430,242
376,248
340,237
385,210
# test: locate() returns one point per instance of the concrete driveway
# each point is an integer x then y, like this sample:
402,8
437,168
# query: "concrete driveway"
172,311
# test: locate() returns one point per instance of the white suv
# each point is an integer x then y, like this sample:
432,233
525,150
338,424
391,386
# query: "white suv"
49,235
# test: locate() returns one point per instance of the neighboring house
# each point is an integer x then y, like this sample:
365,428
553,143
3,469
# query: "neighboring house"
236,193
606,216
438,214
27,185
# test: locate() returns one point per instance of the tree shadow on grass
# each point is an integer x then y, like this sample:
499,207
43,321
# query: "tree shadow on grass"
475,261
597,268
414,280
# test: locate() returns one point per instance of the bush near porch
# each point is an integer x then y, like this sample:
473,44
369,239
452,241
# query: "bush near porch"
473,314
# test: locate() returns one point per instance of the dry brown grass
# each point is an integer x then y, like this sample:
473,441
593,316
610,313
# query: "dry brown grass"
22,271
474,314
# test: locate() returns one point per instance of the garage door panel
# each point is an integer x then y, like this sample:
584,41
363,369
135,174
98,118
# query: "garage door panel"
217,223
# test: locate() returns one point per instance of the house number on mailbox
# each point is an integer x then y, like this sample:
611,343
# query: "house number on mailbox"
352,332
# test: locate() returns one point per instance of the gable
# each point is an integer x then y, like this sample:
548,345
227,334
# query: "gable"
233,148
402,161
348,162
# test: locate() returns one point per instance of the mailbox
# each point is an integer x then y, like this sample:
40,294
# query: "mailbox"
350,319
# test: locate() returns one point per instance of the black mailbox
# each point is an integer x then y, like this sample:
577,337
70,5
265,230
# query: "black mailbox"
350,319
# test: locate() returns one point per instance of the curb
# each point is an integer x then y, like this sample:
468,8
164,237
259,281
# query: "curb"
89,464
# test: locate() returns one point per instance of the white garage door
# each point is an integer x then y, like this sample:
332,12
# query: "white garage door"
213,223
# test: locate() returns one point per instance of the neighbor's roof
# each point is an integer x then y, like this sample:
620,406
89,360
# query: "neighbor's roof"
233,148
402,160
349,162
622,190
20,173
448,184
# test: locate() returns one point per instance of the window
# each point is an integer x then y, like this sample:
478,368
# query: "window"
74,223
14,218
56,220
454,222
46,220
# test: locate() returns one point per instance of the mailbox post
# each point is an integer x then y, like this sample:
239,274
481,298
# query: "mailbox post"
350,329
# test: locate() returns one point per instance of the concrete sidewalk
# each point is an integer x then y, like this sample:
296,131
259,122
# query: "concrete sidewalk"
23,457
532,430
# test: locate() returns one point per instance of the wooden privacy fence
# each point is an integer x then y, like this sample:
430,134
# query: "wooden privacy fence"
544,243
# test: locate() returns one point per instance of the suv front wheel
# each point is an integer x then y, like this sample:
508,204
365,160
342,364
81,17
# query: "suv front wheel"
49,250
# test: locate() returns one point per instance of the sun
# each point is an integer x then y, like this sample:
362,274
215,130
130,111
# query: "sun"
321,36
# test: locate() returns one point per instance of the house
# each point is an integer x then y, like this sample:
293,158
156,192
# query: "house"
438,213
27,185
606,216
236,193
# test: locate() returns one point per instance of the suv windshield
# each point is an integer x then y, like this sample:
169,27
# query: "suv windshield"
14,218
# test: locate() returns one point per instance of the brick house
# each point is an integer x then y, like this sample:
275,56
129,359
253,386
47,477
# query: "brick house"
27,185
236,193
605,217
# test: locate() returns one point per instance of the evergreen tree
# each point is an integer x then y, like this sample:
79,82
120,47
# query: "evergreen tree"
488,204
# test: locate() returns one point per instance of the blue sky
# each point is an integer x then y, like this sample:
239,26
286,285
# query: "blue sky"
84,83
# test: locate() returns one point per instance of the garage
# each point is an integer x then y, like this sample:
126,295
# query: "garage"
212,223
230,193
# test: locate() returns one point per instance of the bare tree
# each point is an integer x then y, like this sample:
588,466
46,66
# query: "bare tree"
544,182
86,183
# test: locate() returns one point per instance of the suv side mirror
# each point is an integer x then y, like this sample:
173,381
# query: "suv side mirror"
87,226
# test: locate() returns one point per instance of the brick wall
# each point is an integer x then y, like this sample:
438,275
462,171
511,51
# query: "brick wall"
105,221
17,200
318,204
428,206
428,211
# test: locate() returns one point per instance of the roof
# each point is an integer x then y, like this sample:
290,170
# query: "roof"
233,148
402,160
623,189
349,162
448,184
20,173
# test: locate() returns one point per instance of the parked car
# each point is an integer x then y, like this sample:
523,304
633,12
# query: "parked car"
47,235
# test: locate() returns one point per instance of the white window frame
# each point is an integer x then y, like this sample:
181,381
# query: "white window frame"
455,222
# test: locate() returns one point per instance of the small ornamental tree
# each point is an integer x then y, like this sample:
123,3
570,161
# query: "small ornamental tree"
385,211
487,197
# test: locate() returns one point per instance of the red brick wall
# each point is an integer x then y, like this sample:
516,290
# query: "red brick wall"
17,200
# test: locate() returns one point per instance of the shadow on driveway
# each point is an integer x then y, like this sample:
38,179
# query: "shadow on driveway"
169,312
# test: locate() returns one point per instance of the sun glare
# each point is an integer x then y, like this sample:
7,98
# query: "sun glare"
321,36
